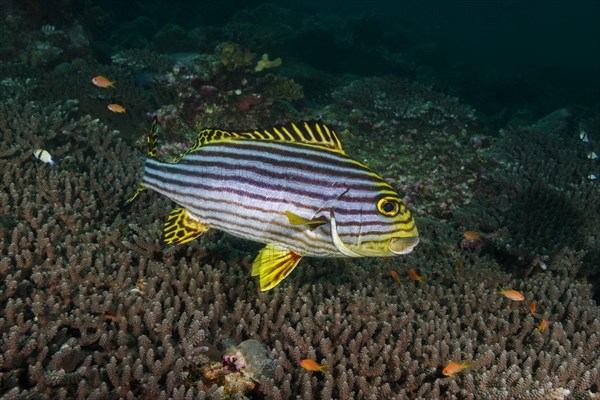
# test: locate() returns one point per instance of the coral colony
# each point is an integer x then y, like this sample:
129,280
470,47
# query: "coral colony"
497,301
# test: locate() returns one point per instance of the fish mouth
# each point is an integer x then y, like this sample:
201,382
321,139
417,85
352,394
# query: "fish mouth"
403,245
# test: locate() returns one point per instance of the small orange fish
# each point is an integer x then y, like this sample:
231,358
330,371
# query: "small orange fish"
543,325
311,365
412,274
454,368
395,276
512,294
117,108
472,235
458,263
103,82
533,307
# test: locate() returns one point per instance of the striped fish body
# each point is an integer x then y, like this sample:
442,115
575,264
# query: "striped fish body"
301,199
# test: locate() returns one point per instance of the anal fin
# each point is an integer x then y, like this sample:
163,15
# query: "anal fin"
273,264
181,227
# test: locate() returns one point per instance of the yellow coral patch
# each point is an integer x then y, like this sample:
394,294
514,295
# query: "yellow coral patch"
265,63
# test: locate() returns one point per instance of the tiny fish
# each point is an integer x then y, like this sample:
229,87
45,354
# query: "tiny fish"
454,368
592,177
311,365
592,155
412,274
584,137
543,325
471,240
472,235
533,307
116,108
512,294
103,82
44,156
395,276
458,263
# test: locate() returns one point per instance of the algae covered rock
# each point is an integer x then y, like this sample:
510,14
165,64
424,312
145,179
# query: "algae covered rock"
252,358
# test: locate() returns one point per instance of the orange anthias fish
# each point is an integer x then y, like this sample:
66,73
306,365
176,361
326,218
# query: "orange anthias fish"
103,82
512,294
311,365
117,108
543,325
533,307
472,235
471,240
395,276
454,368
412,274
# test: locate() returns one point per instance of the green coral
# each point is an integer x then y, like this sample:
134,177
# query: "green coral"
233,56
212,115
282,88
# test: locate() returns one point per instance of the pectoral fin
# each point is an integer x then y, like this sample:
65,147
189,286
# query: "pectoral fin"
181,227
295,219
273,264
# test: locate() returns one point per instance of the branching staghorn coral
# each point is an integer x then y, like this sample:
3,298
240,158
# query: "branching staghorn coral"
543,204
90,308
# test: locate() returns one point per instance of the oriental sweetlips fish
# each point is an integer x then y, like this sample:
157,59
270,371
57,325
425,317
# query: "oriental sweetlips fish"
292,187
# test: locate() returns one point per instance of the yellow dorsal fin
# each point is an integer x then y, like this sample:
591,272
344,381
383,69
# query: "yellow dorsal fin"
181,227
273,263
313,133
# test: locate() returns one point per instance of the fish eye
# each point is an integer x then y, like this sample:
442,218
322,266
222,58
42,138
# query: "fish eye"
388,206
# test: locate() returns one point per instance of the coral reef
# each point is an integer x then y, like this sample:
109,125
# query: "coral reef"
48,64
74,82
407,107
265,63
140,61
222,89
426,143
232,56
44,48
253,358
94,306
540,201
76,322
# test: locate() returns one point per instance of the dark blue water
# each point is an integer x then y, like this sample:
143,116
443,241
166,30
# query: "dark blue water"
534,54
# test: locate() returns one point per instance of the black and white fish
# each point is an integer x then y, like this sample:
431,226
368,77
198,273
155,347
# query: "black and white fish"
583,136
44,157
